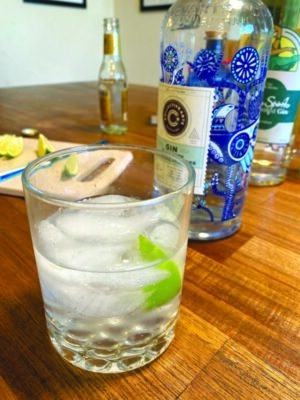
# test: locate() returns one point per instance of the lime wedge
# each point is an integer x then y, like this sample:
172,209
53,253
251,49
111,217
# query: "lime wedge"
71,167
161,292
44,146
149,251
15,147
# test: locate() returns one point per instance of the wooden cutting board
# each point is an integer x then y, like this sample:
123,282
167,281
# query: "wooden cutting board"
13,186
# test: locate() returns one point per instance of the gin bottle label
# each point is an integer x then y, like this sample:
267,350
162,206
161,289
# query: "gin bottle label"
282,90
184,121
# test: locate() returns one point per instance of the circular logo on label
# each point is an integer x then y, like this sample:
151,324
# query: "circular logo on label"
238,146
175,117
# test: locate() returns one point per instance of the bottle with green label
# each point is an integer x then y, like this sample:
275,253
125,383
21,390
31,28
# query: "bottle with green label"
281,96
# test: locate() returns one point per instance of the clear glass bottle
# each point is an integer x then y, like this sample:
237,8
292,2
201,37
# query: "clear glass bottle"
293,172
281,97
214,57
112,82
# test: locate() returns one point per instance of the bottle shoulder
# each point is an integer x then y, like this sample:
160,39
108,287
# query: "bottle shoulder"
216,15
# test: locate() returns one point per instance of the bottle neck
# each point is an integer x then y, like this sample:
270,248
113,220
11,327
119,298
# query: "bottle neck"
111,44
215,41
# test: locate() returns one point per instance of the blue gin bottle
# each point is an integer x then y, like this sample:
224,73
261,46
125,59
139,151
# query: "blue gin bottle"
214,57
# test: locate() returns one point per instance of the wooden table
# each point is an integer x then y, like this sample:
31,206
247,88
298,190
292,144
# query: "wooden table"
238,336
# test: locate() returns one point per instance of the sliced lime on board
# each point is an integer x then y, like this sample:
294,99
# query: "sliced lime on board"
15,147
4,140
11,145
44,146
161,292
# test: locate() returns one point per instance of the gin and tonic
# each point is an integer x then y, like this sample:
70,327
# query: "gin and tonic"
110,229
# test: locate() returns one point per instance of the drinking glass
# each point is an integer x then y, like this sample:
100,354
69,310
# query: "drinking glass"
109,226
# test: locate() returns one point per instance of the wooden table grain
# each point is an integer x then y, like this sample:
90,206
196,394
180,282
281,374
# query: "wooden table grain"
238,335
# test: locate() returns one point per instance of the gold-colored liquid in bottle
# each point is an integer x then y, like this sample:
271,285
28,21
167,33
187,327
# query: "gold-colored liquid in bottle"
112,82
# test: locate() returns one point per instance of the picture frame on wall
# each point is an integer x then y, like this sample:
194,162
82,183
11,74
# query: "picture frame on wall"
155,5
66,3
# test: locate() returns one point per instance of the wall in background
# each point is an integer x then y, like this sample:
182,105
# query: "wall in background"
50,44
140,41
42,44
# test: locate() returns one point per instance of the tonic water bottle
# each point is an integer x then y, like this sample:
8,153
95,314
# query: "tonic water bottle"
112,82
214,56
281,96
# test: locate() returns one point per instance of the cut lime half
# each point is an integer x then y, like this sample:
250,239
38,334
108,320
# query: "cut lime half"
161,292
15,147
4,140
11,145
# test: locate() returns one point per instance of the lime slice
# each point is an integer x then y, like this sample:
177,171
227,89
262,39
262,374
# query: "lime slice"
44,146
161,292
11,145
4,140
71,167
15,147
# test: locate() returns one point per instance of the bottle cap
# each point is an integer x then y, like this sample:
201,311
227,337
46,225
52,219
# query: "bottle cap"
29,131
215,35
111,24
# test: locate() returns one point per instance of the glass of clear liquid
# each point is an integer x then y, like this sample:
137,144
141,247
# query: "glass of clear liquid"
109,227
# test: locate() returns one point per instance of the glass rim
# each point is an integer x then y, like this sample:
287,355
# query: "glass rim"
58,200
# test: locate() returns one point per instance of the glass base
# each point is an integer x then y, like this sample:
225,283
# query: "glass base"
205,231
257,179
269,165
294,167
107,356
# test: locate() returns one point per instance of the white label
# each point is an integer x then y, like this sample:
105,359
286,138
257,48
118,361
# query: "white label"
282,90
184,123
280,134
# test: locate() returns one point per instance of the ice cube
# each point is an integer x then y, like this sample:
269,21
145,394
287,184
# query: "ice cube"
93,293
81,255
107,303
50,241
49,234
71,253
164,234
103,225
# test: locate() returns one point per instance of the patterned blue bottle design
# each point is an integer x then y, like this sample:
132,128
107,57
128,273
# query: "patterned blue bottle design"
237,77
